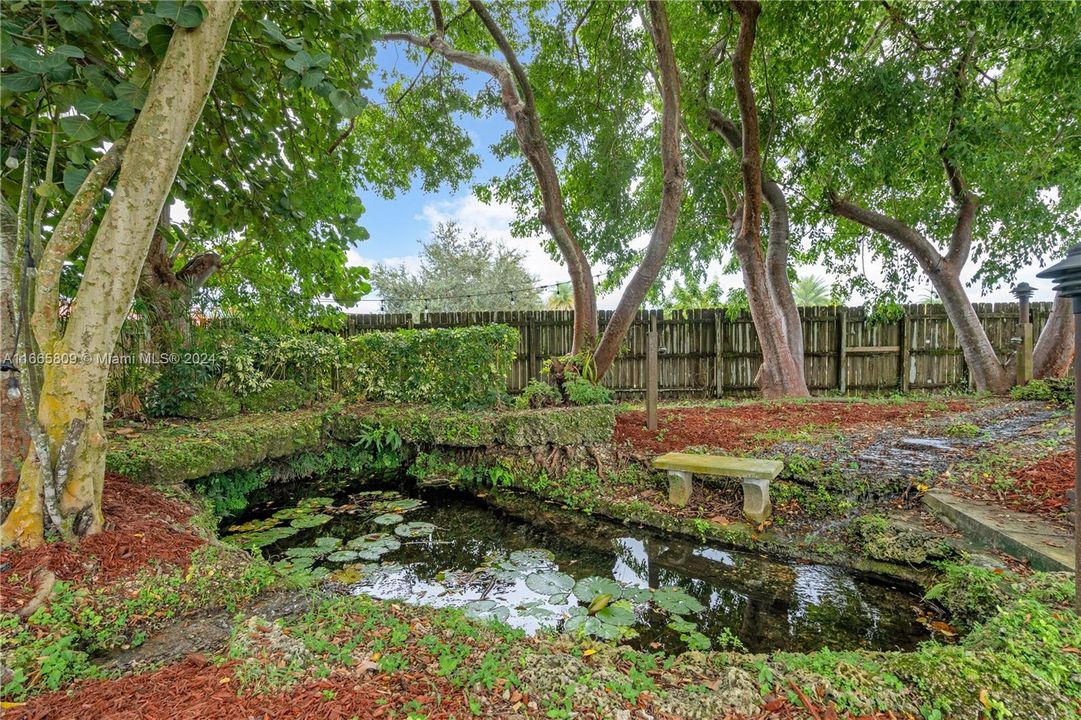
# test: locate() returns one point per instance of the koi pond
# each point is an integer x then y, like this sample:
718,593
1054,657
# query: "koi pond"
563,572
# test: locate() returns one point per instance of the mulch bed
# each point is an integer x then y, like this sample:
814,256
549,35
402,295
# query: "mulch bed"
1041,488
142,527
196,689
735,428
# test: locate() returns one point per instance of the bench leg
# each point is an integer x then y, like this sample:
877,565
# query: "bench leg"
679,487
756,505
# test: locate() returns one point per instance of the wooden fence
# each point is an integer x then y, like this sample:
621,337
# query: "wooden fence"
704,354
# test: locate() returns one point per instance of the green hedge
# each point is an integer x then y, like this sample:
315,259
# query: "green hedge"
460,367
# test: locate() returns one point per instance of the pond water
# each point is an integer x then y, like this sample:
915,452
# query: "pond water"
560,571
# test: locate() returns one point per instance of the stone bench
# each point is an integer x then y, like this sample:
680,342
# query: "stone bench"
754,475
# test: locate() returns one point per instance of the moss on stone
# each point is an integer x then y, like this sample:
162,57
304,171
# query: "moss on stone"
588,425
880,538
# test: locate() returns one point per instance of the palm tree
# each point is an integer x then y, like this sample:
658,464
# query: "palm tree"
562,298
812,290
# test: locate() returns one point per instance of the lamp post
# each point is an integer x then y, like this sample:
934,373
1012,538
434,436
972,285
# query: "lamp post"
1023,292
1066,276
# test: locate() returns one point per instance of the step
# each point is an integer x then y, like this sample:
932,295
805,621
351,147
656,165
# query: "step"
1022,535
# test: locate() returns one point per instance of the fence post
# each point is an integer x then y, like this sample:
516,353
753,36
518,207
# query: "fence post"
718,349
842,352
652,381
906,349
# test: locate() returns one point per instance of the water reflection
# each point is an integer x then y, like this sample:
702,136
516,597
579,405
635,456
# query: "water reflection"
768,605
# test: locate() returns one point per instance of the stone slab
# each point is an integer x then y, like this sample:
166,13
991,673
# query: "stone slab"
1022,535
736,467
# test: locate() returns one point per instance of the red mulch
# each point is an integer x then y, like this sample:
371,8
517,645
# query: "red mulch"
1041,488
735,428
142,527
198,690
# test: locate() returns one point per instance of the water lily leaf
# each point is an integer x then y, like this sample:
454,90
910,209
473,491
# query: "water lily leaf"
292,513
588,588
312,552
414,529
682,625
559,599
310,521
617,614
348,575
372,548
388,519
677,602
599,603
327,542
532,557
316,502
261,538
251,525
549,583
344,556
487,610
636,594
540,613
404,505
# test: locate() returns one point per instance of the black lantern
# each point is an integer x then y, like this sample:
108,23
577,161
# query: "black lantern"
1066,276
1023,292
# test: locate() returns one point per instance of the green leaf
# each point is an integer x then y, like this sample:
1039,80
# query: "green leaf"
77,23
119,109
617,614
388,519
184,14
300,62
676,601
343,556
79,128
132,94
88,105
21,82
549,583
158,38
346,105
25,59
588,588
414,529
272,31
310,521
119,32
73,178
69,51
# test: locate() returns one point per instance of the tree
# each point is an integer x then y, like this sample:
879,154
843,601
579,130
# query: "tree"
941,135
63,474
562,298
520,103
459,273
812,290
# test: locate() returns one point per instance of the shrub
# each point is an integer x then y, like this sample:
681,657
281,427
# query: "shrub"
461,367
1056,390
278,395
538,394
209,403
583,392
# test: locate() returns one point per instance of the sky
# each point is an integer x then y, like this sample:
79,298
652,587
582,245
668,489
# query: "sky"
399,225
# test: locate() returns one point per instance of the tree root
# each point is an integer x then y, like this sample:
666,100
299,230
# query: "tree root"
46,581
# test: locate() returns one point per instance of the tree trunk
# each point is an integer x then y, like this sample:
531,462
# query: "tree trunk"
671,196
777,269
14,441
780,374
71,407
987,372
1053,354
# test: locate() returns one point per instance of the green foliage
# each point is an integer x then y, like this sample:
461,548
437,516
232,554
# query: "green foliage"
962,430
584,392
54,646
970,594
456,274
277,395
461,367
1054,390
538,394
209,403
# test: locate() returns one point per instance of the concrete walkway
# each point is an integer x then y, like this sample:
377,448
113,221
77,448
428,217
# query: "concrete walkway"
1021,535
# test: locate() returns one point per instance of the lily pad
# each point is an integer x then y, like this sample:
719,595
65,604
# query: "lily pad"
349,575
588,588
253,525
549,583
328,542
310,521
636,594
677,602
404,505
388,519
261,538
414,529
532,557
369,548
618,614
487,610
344,556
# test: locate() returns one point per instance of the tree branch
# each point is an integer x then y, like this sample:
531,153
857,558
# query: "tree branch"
967,201
924,252
751,159
69,234
508,52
